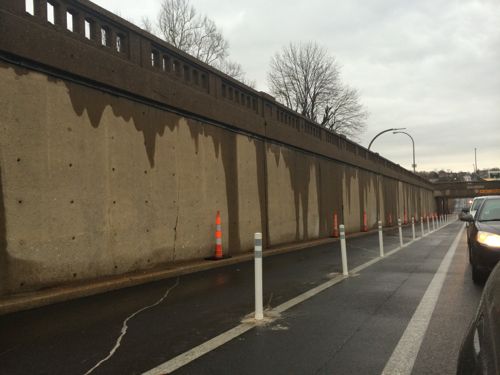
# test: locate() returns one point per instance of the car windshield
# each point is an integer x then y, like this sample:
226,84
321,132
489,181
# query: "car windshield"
476,204
490,211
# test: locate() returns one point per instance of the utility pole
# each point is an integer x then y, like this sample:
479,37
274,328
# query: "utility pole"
475,160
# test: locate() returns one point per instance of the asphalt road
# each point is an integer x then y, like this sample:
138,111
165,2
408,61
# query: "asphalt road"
351,327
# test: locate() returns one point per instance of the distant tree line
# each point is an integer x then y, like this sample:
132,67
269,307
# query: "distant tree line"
450,176
302,76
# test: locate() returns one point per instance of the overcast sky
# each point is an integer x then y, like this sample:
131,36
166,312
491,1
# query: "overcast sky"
432,66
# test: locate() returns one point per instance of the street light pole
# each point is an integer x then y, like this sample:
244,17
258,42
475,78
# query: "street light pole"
413,144
475,160
382,132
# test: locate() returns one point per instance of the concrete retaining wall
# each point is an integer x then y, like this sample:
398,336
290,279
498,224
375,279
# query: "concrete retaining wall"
114,160
86,192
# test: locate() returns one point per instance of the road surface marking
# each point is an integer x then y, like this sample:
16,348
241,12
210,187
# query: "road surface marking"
125,327
404,356
212,344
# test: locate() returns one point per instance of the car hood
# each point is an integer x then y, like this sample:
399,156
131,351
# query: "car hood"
489,226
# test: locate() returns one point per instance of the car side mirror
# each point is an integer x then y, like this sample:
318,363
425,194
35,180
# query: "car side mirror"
467,217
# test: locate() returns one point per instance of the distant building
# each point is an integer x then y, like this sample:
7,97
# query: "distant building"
493,176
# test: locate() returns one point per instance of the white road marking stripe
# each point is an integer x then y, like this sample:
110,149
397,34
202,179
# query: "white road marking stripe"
388,254
124,329
403,358
207,346
306,295
212,344
189,356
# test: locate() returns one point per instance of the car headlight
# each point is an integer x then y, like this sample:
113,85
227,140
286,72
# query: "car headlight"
488,239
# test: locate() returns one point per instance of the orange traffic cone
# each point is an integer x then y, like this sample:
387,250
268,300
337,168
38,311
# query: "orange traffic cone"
218,237
405,217
218,240
390,219
335,231
365,222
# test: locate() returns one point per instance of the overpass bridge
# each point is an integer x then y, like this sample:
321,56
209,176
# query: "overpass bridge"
444,192
466,189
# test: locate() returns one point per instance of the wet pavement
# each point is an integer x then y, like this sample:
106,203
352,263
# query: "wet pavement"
351,327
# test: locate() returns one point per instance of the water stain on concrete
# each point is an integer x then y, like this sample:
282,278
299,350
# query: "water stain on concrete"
225,148
261,163
4,261
84,99
299,168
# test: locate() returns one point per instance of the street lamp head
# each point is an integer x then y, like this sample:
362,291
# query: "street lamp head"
382,132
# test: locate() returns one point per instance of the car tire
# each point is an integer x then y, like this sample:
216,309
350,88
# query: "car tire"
477,275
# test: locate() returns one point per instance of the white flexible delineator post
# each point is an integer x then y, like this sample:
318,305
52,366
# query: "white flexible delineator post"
413,228
380,239
400,233
259,308
343,250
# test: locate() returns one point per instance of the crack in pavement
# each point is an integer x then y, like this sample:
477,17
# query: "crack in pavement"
9,350
124,329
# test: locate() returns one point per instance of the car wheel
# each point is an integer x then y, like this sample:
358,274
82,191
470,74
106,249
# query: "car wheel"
477,275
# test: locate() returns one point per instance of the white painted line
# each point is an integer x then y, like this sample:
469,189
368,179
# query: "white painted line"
124,329
375,260
207,346
310,293
405,353
212,344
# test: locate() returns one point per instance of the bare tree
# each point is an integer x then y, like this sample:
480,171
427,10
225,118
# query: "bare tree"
147,25
230,68
345,114
210,45
306,79
235,70
179,24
